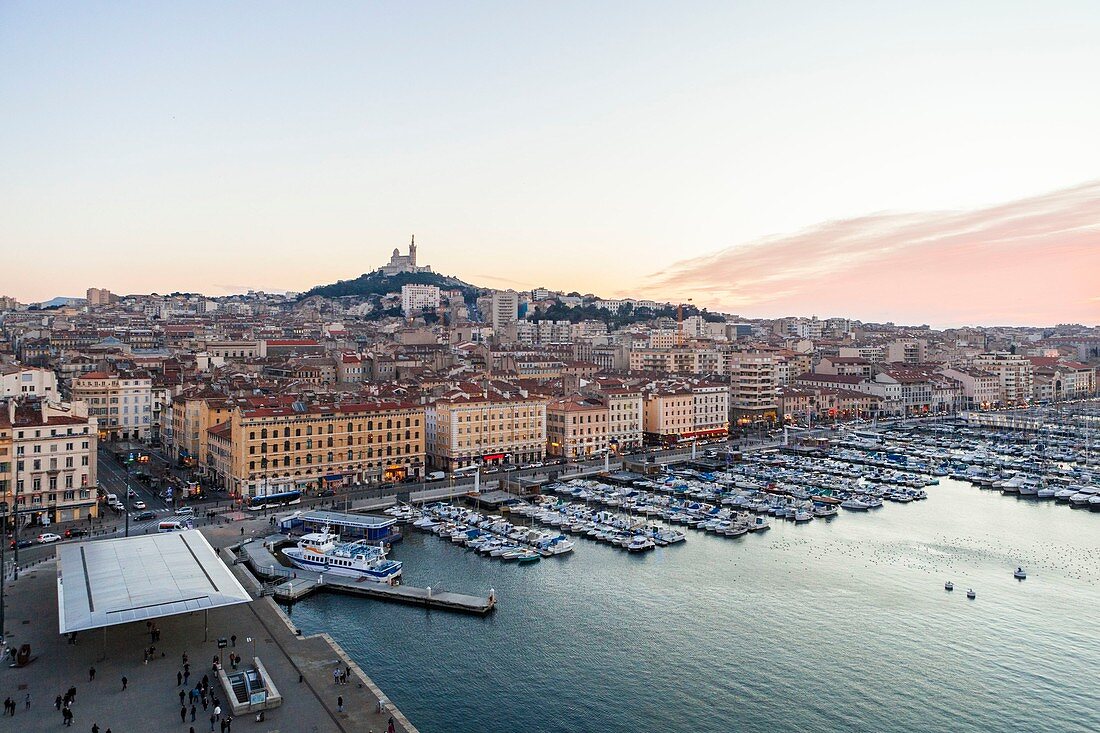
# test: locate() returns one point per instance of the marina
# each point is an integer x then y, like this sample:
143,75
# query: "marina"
899,534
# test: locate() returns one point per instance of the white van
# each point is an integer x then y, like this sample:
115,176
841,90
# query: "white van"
174,525
436,476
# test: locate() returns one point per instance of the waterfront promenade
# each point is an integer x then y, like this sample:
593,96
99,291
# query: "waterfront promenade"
301,668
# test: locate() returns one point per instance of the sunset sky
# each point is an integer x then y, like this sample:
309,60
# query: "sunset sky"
931,162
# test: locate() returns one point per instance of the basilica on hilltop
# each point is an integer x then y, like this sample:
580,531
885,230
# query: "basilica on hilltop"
400,263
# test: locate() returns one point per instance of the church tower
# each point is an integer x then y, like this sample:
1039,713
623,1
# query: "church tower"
412,253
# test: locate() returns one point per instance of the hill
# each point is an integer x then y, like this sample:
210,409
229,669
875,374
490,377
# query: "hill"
376,283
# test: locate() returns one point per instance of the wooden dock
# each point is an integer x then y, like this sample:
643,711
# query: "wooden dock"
289,585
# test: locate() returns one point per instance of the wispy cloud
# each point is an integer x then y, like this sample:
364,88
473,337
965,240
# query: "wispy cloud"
1034,260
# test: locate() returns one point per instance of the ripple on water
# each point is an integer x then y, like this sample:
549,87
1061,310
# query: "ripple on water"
831,626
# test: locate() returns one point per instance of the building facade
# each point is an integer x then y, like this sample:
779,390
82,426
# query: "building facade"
52,461
121,402
313,446
466,430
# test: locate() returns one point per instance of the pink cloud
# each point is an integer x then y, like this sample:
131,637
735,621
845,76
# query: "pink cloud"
1032,261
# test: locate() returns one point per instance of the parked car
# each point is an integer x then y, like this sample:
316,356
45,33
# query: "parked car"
327,492
47,537
145,515
76,532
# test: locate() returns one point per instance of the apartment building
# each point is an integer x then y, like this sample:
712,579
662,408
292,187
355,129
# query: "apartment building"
472,428
17,380
1015,372
51,460
874,353
674,410
844,365
753,380
812,404
980,390
261,450
416,299
121,402
668,414
504,306
677,361
576,427
624,418
192,417
907,351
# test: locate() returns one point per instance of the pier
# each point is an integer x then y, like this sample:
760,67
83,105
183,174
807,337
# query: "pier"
288,585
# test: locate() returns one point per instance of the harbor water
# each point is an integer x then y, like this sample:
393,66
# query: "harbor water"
835,625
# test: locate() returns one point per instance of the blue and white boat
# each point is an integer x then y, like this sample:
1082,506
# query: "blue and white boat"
323,552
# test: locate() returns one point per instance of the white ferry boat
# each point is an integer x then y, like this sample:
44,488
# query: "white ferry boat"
323,552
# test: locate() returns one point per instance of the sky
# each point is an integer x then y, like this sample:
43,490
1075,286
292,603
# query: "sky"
676,150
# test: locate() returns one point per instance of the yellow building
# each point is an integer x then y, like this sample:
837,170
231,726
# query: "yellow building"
577,427
465,429
316,446
192,418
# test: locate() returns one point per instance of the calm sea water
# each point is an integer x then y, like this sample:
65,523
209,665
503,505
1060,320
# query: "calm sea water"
838,625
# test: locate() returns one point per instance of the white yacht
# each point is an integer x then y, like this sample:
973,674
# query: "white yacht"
640,543
1019,574
855,505
324,552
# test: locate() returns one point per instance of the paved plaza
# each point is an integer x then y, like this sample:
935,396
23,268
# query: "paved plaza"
300,668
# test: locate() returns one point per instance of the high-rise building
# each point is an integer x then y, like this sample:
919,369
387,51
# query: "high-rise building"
100,296
505,308
418,298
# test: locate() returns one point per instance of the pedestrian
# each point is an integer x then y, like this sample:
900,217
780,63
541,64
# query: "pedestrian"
204,703
228,724
212,721
183,714
27,701
336,676
95,728
91,674
179,678
67,715
192,712
7,706
339,703
222,726
182,695
233,640
217,711
57,701
186,673
145,656
124,681
185,660
389,727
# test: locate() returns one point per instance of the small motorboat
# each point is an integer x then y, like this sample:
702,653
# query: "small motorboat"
949,585
971,594
1020,574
